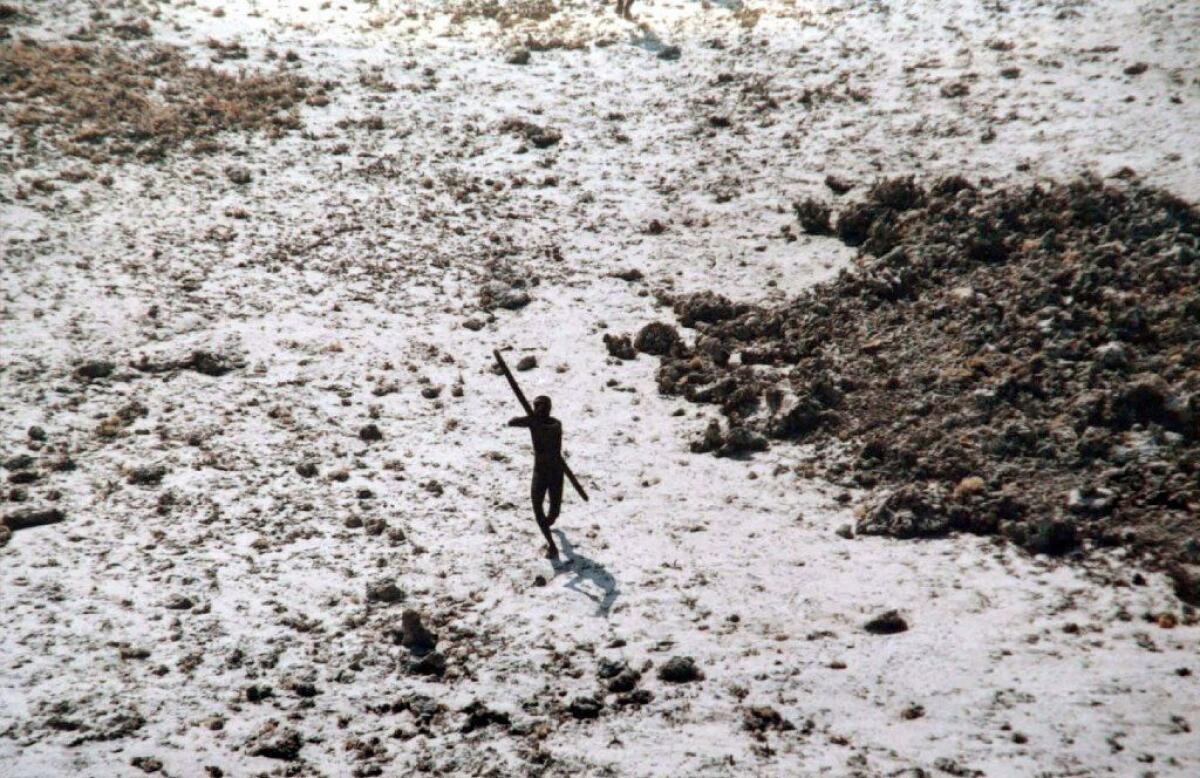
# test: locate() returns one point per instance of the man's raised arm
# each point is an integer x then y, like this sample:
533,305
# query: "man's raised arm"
520,421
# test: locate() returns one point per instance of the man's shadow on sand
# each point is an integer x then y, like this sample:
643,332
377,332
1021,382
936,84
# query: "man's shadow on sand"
586,571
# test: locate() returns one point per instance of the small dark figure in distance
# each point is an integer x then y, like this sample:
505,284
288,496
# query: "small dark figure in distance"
546,432
623,8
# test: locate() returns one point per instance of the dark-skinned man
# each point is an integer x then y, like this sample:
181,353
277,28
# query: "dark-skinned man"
546,432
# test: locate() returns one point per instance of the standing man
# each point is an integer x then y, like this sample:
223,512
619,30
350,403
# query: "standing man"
546,432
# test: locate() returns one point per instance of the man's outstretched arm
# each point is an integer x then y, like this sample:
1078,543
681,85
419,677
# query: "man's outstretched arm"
520,421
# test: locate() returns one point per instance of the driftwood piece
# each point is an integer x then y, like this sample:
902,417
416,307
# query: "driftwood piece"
33,517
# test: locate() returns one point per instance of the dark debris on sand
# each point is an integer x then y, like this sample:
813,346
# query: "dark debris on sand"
1023,361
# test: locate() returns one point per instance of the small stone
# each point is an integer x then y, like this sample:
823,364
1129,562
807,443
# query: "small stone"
1113,355
742,440
608,668
760,718
1136,69
179,602
845,531
474,325
431,393
273,743
680,669
95,369
670,53
147,764
147,475
255,693
413,634
384,591
36,433
585,707
433,664
636,698
624,681
912,712
814,216
657,338
306,469
968,487
518,56
887,623
838,185
528,362
370,433
620,346
19,462
1091,500
1053,537
238,174
630,275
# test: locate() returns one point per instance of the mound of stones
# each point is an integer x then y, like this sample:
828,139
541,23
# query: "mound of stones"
1023,361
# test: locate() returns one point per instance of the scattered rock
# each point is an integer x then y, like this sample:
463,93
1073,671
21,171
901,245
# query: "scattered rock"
147,764
760,718
907,512
238,174
670,53
274,742
887,623
657,338
413,635
497,294
306,470
1053,537
147,475
620,346
680,669
95,369
179,602
585,707
385,591
624,681
480,716
27,518
635,698
814,217
527,362
838,185
538,136
518,56
433,664
1091,501
370,433
630,275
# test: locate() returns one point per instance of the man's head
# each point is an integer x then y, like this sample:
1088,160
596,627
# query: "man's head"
541,406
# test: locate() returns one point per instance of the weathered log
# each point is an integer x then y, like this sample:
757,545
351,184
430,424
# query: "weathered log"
33,517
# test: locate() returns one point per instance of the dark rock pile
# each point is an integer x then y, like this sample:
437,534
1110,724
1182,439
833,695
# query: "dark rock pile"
1022,360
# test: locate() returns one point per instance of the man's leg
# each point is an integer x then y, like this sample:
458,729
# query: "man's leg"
538,493
556,491
626,13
